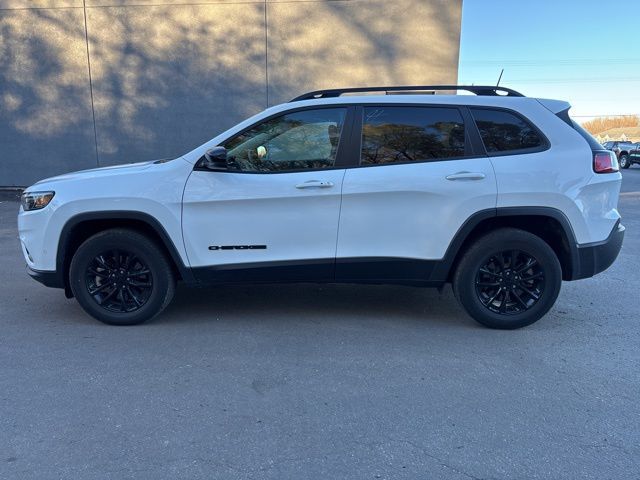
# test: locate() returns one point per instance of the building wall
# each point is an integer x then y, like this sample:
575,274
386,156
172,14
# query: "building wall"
86,83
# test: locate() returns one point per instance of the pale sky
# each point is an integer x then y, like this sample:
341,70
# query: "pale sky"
584,51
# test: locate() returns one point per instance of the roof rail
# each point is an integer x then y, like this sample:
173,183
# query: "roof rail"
484,90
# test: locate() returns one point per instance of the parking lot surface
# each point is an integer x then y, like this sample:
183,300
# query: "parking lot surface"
310,382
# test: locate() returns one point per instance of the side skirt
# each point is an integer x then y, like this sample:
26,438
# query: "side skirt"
390,271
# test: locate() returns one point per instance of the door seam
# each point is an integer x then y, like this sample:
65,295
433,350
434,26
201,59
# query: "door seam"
335,252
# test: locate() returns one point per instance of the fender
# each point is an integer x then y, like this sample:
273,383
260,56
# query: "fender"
564,222
151,222
443,267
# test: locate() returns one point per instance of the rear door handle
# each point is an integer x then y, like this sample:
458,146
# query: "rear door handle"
314,184
466,176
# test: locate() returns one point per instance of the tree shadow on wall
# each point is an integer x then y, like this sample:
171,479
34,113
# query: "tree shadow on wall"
361,43
166,78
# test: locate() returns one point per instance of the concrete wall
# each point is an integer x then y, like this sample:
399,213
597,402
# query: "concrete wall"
99,82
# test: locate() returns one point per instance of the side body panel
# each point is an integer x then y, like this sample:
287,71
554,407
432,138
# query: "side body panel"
269,214
408,211
561,177
151,189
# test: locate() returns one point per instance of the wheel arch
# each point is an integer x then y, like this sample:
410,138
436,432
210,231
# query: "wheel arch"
82,226
548,223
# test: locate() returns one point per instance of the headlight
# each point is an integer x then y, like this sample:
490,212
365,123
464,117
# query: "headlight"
35,200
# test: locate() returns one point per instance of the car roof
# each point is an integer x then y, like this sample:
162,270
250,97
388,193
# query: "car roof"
412,99
457,100
531,107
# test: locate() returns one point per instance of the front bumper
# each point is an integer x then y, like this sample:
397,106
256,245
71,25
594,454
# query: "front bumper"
47,278
594,258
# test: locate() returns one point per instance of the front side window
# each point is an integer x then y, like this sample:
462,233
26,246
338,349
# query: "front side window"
411,134
503,131
307,139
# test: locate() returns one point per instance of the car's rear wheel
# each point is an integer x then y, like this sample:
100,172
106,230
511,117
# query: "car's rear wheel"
121,277
508,279
624,161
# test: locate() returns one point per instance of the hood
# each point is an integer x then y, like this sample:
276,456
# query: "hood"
99,172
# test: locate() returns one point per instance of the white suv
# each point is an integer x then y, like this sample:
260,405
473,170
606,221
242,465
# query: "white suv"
503,196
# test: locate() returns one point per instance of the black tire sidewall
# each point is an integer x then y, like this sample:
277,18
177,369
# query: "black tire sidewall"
507,239
140,246
624,159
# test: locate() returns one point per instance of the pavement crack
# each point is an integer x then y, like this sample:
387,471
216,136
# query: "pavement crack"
432,456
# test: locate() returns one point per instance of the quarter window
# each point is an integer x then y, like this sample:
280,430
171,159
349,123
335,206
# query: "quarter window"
411,134
503,131
306,139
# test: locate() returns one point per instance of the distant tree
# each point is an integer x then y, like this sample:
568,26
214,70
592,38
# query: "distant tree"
600,124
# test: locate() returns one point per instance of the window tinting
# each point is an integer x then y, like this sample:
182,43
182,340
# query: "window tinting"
307,139
411,134
593,143
503,131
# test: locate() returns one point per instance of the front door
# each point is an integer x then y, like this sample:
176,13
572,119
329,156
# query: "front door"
272,215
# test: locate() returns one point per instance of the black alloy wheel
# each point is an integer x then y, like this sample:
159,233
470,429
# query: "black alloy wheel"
121,277
508,278
510,282
119,281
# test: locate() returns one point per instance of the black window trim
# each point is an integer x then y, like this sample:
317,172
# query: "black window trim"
474,138
546,144
471,150
350,146
342,154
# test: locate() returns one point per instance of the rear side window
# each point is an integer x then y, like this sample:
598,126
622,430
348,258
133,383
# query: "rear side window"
504,132
411,134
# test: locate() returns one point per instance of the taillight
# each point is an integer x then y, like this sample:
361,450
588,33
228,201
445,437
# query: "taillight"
605,162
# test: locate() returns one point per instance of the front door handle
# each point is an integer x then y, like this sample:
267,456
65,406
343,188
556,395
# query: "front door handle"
315,184
466,176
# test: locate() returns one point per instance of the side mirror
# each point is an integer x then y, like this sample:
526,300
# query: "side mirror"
215,158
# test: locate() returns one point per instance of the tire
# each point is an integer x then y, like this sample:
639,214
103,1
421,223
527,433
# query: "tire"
513,290
624,161
121,277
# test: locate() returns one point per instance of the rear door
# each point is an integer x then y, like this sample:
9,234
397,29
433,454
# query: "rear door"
418,182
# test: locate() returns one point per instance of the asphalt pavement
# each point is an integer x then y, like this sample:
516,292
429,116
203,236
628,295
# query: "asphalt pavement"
321,382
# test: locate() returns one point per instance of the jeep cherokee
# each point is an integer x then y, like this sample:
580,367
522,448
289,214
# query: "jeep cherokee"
501,195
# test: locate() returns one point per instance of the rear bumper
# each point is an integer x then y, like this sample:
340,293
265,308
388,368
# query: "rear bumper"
594,258
47,278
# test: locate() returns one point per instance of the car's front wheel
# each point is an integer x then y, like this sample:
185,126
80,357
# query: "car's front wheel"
121,277
508,279
624,161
